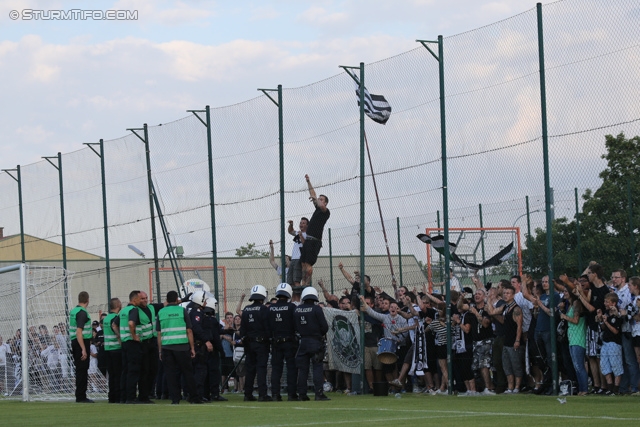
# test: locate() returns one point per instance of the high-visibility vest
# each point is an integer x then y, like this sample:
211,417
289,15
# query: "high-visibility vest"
146,328
110,338
125,335
87,330
172,325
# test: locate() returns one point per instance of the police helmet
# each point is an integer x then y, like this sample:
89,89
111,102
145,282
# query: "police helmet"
258,292
284,289
309,293
199,298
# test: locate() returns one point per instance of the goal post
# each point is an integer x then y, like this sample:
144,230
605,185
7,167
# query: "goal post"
477,245
34,318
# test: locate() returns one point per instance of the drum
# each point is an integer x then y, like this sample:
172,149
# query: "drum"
387,351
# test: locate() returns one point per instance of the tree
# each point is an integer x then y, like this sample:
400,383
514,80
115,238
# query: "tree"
604,221
250,250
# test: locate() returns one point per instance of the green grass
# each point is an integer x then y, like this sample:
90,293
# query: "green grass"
413,410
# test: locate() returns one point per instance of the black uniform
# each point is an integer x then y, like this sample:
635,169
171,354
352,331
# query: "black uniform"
206,363
149,367
255,330
284,346
312,326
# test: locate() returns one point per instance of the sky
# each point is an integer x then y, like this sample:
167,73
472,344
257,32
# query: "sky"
74,81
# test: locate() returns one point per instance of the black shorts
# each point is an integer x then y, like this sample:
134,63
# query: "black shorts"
226,366
636,341
309,251
441,351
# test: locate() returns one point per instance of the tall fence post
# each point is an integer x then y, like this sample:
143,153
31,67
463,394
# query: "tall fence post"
399,251
548,200
281,162
484,270
632,237
105,225
530,255
145,140
18,179
439,254
445,196
330,261
578,232
212,210
58,166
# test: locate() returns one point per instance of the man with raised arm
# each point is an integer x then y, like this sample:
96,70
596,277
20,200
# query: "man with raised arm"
313,241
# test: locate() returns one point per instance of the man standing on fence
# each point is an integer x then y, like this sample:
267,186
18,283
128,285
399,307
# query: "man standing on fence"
80,324
312,243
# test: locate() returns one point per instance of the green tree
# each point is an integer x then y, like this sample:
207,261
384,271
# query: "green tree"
250,250
604,221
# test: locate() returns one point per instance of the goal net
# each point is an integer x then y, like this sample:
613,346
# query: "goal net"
34,325
476,249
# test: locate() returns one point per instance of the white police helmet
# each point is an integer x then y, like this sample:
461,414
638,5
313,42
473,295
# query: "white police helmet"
258,292
284,289
199,298
309,293
211,300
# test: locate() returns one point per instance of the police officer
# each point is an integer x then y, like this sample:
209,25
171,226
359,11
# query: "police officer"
255,330
148,337
312,326
206,334
113,349
283,342
81,334
176,348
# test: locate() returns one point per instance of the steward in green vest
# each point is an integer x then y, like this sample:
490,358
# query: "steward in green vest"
80,332
112,346
176,348
131,348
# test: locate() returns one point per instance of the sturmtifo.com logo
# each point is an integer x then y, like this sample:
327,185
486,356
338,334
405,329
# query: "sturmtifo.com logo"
74,15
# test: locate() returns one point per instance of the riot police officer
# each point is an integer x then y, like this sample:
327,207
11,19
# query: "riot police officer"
204,343
283,343
212,329
312,326
255,330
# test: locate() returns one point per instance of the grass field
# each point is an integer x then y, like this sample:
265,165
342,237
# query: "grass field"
414,410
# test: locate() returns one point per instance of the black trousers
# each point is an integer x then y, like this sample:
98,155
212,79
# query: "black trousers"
149,368
256,358
280,353
114,369
206,366
176,363
309,347
131,367
82,368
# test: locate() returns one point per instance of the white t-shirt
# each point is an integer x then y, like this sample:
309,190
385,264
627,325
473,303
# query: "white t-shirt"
526,307
93,363
295,251
454,284
51,353
4,350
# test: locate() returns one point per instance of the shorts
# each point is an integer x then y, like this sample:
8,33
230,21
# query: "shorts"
512,361
636,341
611,359
441,351
241,371
371,358
310,250
594,342
294,272
482,354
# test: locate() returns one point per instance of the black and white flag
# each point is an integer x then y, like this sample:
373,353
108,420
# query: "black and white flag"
375,106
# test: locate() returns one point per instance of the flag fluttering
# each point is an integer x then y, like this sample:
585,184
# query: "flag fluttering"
375,106
438,244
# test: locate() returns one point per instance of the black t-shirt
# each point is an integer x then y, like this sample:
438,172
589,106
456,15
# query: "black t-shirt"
373,331
510,325
498,328
607,335
480,333
597,301
317,222
81,319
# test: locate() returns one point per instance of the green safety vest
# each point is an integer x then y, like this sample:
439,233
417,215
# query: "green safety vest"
172,325
87,331
110,338
145,329
125,335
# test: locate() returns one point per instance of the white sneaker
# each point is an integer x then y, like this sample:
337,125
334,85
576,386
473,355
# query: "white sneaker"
396,383
444,393
417,389
516,390
346,392
488,392
507,391
465,394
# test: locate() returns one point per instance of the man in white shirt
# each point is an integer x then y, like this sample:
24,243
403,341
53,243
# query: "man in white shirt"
4,350
294,274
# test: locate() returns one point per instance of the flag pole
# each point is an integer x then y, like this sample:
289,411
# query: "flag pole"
375,187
